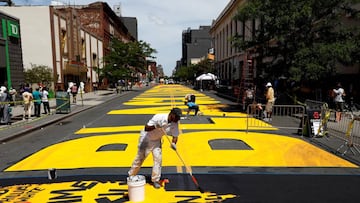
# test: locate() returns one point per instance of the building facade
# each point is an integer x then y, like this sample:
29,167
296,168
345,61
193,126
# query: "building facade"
195,45
236,68
11,61
72,40
229,62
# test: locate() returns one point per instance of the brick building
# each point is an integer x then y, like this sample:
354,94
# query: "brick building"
70,39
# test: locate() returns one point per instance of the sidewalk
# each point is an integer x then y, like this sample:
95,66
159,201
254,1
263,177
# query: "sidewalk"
19,126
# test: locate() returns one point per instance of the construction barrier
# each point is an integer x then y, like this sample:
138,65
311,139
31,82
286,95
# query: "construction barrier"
315,114
283,117
352,135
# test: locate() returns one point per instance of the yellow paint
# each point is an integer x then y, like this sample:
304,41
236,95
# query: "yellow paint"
269,151
220,123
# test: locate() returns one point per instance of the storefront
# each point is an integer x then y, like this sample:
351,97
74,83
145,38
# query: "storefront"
11,64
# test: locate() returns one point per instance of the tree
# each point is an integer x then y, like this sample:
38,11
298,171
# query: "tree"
126,58
304,39
39,74
189,72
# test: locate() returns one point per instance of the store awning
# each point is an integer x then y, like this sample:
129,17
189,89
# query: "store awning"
75,69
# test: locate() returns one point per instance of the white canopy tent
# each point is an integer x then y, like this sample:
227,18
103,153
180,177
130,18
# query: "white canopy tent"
207,77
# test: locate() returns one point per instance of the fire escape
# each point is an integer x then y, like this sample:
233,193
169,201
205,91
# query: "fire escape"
247,78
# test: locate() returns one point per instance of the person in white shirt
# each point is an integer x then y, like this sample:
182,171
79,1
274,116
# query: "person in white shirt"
150,141
270,101
45,100
339,101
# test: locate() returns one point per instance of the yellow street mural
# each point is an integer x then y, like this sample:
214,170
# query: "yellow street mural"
266,151
97,191
252,149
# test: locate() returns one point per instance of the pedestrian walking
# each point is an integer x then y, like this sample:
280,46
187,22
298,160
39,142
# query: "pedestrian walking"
339,101
37,101
150,141
74,91
270,100
45,100
95,87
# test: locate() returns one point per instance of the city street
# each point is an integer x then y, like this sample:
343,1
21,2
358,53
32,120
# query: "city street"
92,151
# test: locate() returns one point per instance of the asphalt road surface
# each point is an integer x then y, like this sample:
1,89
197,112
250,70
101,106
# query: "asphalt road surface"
93,150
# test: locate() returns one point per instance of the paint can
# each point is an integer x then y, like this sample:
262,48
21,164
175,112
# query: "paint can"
136,188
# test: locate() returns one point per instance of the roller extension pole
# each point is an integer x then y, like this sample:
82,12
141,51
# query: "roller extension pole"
190,171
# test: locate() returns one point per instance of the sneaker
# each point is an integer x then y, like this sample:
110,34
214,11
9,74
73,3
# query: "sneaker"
157,185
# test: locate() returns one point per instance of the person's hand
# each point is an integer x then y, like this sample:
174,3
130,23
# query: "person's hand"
173,146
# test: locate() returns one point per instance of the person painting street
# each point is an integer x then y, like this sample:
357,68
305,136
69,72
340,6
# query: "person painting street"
190,103
189,98
192,106
270,101
150,141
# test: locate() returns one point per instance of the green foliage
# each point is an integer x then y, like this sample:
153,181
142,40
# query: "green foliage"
304,38
190,72
38,74
125,59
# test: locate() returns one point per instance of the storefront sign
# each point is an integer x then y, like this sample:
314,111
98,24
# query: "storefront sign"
13,29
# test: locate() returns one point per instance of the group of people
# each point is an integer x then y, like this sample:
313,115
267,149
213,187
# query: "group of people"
338,95
30,98
37,97
123,85
256,108
73,89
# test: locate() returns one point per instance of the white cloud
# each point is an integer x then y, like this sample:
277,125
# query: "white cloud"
161,22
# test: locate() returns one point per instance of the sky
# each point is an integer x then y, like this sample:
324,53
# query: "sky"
160,22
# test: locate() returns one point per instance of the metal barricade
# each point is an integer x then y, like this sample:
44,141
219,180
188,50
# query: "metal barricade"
315,118
283,117
352,134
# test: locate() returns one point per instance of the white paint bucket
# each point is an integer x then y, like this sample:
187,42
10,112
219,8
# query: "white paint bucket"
136,188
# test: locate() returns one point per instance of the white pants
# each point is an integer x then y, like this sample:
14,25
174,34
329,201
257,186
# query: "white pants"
144,148
27,110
